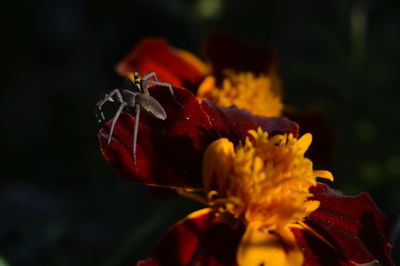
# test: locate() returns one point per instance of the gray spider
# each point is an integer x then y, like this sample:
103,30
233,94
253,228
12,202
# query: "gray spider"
135,96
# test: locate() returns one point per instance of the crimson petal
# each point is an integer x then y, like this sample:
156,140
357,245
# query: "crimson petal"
156,55
199,239
169,153
354,225
316,252
233,123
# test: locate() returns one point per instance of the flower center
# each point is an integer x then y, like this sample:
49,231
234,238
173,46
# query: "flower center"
259,95
265,180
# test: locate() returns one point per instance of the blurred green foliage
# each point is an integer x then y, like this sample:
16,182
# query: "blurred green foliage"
3,262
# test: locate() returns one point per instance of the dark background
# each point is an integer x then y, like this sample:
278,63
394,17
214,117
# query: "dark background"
62,204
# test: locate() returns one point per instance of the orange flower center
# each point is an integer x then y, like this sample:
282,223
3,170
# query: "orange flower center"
257,94
265,180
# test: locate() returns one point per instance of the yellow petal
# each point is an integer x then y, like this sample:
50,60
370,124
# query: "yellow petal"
304,142
193,60
268,249
324,174
258,164
206,87
245,90
217,161
311,205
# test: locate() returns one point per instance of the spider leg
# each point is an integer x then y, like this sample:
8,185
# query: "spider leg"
164,84
122,105
107,98
152,74
100,116
135,131
143,87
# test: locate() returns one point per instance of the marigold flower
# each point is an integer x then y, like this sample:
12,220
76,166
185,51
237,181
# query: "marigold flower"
264,205
266,208
264,182
343,229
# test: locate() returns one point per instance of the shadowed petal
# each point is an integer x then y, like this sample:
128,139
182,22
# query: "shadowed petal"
199,240
316,252
224,51
352,224
234,123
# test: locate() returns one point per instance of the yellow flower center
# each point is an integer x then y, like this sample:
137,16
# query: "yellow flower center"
258,94
266,180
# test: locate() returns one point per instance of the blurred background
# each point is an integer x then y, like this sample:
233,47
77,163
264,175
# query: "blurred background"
62,204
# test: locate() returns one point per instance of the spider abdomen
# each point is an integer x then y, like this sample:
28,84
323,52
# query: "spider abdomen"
151,106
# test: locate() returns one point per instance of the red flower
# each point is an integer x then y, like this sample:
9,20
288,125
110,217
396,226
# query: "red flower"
354,226
339,229
264,203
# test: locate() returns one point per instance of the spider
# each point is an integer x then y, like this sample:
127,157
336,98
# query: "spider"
135,96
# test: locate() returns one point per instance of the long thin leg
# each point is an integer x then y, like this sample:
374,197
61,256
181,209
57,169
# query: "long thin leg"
135,131
164,84
114,121
107,98
143,87
152,74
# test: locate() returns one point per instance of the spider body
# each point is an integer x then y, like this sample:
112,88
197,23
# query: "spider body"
133,98
148,103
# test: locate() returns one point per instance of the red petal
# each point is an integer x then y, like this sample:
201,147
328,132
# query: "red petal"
316,252
170,152
224,51
234,123
352,224
199,240
155,55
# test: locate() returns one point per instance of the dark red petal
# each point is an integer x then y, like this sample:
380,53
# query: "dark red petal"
234,123
155,55
352,224
316,252
168,152
224,51
199,240
313,121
